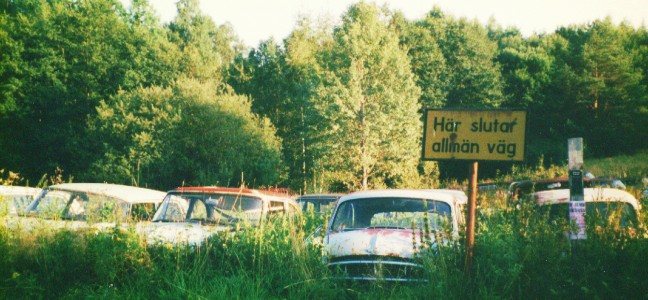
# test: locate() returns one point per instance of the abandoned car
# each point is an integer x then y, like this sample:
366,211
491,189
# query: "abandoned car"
96,205
189,215
380,235
606,206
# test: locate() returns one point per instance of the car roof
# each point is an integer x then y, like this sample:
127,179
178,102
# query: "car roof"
235,191
449,196
589,194
19,190
126,193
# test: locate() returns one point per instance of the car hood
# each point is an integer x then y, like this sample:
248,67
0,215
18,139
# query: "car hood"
379,242
177,232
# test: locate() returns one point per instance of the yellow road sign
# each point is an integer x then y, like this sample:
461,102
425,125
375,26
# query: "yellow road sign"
474,135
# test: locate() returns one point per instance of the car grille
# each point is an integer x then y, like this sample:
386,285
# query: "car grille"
376,268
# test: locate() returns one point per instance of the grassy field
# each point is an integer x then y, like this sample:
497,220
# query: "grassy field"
517,255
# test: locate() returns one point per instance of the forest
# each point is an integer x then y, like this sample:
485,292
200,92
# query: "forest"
108,93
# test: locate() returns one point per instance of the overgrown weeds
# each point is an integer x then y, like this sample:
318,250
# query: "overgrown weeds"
518,254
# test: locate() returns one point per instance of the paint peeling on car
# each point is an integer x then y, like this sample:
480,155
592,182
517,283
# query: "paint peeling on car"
378,235
384,242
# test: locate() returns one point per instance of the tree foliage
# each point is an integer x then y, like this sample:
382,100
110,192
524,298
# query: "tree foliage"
184,134
109,93
372,113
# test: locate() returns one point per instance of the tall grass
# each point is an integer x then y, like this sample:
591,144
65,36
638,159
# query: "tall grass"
624,166
518,254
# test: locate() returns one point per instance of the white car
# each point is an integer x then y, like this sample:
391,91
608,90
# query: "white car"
378,234
16,198
96,205
189,215
611,205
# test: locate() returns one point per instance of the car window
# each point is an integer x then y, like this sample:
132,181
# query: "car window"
275,209
276,205
309,206
20,202
392,213
199,210
208,207
173,209
142,211
103,208
76,208
52,204
318,205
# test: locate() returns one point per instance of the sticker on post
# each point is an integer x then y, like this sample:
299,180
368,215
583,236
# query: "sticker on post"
577,220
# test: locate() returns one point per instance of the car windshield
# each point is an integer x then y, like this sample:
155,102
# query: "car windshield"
17,203
318,205
399,213
209,208
51,204
67,205
619,214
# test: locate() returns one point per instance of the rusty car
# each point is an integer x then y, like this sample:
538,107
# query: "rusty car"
381,234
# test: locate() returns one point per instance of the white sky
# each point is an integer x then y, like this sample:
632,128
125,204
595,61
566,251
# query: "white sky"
257,20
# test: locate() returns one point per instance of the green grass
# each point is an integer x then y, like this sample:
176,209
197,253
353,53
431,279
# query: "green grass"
625,166
518,254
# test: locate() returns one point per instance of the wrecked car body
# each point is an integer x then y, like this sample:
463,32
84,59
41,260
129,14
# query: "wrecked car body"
190,215
90,205
610,206
379,235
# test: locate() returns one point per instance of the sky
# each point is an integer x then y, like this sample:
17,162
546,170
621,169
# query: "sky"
258,20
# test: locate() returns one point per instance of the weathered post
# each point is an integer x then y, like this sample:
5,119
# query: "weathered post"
576,189
470,230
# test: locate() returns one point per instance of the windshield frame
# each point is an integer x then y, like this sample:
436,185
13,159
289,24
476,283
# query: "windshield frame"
432,205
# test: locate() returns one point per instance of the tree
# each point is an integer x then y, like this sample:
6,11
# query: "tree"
67,56
599,88
428,62
155,59
467,75
525,66
184,134
206,49
370,100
